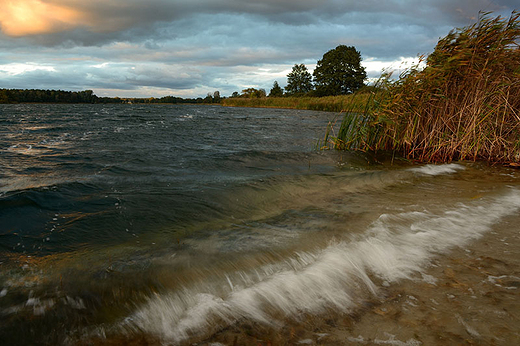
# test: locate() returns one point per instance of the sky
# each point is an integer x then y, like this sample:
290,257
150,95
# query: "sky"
155,48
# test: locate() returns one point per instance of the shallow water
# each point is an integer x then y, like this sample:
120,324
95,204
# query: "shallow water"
187,224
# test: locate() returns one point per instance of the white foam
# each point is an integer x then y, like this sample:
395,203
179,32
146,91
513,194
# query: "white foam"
392,341
359,339
395,247
438,169
429,279
471,331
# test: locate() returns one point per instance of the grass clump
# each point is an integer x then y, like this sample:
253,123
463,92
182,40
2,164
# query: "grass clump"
464,105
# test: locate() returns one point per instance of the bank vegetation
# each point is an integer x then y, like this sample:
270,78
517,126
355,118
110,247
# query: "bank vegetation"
464,105
337,103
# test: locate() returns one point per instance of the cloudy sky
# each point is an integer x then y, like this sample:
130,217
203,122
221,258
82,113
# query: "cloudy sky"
143,48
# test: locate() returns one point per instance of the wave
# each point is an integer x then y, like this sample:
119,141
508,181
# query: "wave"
438,169
340,277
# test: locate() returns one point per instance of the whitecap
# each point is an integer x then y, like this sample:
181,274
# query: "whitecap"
438,169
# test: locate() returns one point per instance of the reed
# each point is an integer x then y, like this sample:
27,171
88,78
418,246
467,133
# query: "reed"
326,104
464,105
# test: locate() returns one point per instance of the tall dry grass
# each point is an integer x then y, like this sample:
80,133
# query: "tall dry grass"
464,105
326,104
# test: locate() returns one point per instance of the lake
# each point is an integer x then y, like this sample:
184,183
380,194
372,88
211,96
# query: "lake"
182,224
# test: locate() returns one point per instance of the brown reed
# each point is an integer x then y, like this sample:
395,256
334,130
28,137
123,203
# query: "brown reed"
464,105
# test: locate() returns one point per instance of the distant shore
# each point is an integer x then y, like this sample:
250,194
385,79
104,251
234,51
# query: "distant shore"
352,103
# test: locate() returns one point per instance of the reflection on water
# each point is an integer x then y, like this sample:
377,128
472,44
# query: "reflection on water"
176,225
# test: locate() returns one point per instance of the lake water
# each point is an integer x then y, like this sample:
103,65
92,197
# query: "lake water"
166,224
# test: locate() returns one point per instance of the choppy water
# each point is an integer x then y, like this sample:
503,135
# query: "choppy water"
182,224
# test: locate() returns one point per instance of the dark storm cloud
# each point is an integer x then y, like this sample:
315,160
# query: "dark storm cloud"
101,22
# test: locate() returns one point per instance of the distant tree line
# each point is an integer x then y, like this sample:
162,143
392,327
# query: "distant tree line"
46,96
88,96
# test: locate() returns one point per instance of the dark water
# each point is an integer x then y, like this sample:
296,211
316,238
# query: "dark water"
84,176
175,224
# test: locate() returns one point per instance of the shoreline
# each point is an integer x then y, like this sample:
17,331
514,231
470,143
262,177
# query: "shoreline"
471,295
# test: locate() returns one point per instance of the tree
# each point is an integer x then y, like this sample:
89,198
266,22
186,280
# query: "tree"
339,72
253,93
299,80
276,91
261,93
208,98
216,96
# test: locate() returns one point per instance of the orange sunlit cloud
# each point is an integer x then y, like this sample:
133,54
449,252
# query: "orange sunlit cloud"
30,17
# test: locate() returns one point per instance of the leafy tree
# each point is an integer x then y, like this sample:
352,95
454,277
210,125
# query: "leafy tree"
216,96
299,80
253,93
208,98
339,72
276,91
261,93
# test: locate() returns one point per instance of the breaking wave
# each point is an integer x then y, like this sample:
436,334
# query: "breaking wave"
339,277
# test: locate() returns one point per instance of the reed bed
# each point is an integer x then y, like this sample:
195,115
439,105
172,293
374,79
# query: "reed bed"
326,104
464,105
